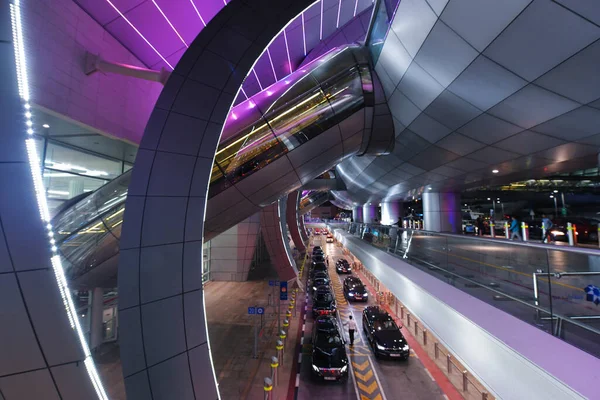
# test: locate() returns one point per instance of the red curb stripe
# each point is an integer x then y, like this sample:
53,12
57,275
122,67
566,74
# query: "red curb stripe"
297,349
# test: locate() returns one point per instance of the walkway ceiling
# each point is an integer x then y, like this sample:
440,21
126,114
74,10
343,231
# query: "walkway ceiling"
483,85
159,31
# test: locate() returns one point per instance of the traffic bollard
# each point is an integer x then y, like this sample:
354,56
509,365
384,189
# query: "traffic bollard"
572,234
288,314
506,233
286,323
416,328
279,348
448,362
424,337
465,380
525,231
436,350
274,375
408,320
492,229
268,387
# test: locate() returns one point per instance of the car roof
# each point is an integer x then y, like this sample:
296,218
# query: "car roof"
353,279
375,312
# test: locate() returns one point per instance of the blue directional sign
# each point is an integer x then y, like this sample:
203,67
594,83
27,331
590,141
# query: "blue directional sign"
283,290
260,310
272,283
252,310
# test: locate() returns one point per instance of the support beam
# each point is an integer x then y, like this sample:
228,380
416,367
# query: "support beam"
391,212
95,63
441,212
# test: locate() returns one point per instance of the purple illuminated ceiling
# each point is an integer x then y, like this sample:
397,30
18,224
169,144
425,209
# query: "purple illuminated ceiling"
159,31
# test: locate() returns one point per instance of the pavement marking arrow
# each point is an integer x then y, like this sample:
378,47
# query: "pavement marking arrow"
366,377
363,397
368,389
360,367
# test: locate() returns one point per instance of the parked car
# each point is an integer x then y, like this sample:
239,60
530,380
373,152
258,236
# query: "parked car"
329,359
318,258
317,249
329,238
342,266
323,304
383,334
354,289
320,281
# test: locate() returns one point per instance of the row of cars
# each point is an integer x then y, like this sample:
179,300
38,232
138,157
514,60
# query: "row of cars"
329,358
328,235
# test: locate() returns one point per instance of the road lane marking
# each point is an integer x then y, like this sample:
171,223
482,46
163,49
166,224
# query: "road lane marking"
377,379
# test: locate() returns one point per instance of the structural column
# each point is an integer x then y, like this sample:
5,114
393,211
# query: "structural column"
275,235
293,222
96,317
369,213
357,214
391,212
441,212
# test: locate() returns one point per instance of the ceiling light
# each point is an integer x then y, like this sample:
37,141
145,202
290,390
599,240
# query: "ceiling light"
489,198
555,191
495,171
46,126
465,205
429,188
498,198
551,196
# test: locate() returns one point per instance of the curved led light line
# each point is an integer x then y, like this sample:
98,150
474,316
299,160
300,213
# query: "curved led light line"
321,28
355,8
287,49
170,24
272,66
198,12
139,33
303,35
34,164
337,24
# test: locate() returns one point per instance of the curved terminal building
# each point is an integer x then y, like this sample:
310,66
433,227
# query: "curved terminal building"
237,199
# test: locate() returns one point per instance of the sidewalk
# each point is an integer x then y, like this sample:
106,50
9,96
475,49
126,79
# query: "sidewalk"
288,367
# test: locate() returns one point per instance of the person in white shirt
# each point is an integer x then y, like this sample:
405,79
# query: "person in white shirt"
351,329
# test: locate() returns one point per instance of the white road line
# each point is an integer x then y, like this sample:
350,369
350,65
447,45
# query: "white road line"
446,397
302,341
297,380
303,327
429,373
300,358
377,378
414,354
305,316
351,372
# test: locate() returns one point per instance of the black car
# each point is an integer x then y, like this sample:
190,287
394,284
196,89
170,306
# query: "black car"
318,258
317,250
342,266
329,359
322,281
323,303
316,267
383,334
354,289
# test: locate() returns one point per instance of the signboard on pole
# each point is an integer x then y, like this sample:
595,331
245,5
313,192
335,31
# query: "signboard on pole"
283,290
251,310
260,310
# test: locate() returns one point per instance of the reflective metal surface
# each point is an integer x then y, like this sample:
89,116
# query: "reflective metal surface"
312,200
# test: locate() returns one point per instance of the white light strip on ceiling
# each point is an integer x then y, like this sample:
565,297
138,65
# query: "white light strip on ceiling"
198,12
321,28
34,164
337,24
169,22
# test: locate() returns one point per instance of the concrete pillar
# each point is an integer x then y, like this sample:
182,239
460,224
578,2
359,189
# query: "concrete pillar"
369,213
75,187
441,212
391,212
357,214
292,220
96,317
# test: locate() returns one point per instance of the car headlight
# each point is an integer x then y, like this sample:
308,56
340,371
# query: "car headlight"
380,347
315,368
344,369
351,294
405,348
366,294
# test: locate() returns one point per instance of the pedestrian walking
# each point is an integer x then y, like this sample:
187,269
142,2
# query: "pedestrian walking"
479,226
514,229
546,226
351,329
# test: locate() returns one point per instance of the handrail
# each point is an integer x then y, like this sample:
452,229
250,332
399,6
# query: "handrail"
579,250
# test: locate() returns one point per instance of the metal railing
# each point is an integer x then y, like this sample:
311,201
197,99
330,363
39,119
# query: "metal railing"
550,287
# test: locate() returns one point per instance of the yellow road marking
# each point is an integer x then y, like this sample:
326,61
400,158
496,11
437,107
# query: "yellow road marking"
368,388
366,377
362,366
363,397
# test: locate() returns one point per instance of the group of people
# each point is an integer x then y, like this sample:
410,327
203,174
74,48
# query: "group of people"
515,229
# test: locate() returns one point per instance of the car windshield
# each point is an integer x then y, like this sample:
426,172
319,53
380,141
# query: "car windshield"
327,341
385,325
324,297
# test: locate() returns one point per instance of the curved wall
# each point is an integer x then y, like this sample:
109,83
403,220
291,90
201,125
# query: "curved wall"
165,352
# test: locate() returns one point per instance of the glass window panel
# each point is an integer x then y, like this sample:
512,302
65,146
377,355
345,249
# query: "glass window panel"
127,167
78,162
301,120
62,186
345,95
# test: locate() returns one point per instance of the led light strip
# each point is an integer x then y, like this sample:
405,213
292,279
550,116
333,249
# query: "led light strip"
355,8
303,35
139,33
198,12
337,24
287,49
34,163
170,24
321,29
272,66
257,80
